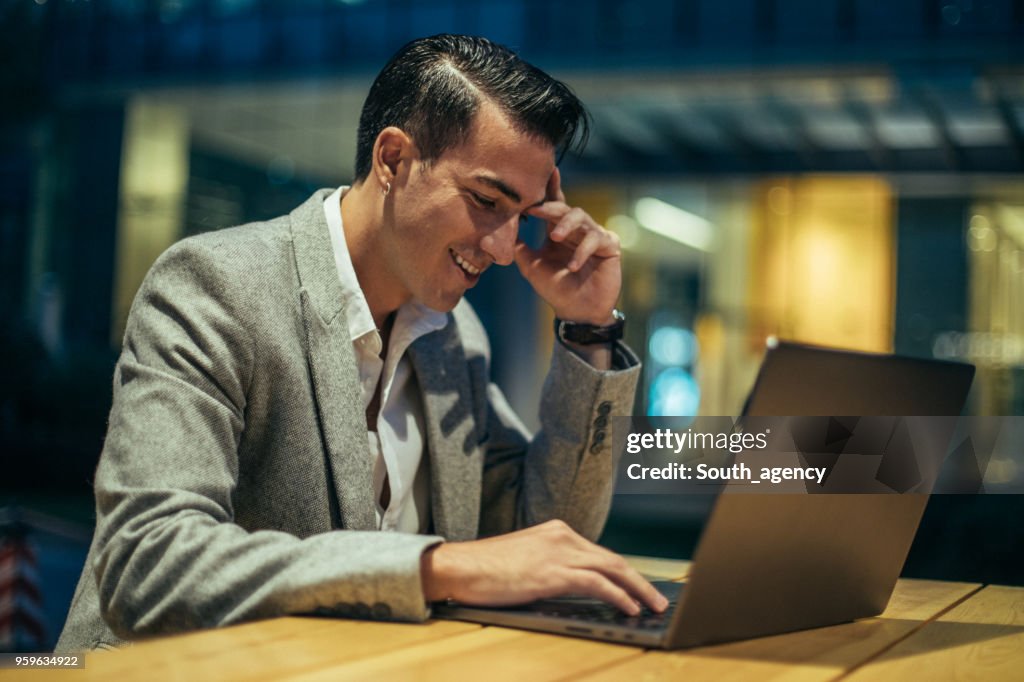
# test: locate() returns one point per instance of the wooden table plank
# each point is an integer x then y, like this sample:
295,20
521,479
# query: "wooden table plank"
980,639
811,655
493,654
265,650
981,636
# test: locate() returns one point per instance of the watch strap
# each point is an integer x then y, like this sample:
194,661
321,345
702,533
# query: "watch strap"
590,334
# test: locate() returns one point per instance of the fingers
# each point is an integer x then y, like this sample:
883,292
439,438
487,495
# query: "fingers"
595,241
588,247
605,575
642,591
574,228
597,586
551,211
627,580
571,223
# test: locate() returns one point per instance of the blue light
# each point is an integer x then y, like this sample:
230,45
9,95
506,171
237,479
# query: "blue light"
674,393
671,345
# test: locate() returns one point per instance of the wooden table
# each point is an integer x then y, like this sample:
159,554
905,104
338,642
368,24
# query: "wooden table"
931,630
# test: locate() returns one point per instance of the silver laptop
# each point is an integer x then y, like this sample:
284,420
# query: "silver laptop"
773,563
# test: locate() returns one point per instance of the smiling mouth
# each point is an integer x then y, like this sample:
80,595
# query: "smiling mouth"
468,268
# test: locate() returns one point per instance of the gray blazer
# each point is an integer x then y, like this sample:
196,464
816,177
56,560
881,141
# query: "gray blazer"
235,482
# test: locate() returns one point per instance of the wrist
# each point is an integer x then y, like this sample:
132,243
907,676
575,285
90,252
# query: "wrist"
438,573
574,333
598,356
599,320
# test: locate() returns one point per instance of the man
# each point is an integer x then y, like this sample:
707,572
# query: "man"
290,389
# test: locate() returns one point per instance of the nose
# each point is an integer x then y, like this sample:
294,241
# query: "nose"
500,243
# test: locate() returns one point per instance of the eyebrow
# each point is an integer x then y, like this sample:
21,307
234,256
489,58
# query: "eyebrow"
503,188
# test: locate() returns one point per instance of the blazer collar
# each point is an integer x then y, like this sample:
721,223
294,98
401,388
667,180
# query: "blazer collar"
314,257
332,366
456,460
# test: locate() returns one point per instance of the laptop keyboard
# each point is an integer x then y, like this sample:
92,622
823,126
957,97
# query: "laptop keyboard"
592,611
605,614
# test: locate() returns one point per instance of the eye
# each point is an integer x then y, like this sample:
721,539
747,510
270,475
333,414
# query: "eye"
483,201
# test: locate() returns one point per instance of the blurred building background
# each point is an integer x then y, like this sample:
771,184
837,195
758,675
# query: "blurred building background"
842,172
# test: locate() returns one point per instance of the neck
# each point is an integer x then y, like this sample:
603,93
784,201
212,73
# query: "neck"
361,216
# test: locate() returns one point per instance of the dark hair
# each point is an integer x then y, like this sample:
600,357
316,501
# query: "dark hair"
432,89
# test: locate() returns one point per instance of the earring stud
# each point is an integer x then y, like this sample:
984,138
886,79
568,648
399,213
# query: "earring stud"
386,190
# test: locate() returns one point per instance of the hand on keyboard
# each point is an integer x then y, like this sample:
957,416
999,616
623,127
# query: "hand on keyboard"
547,560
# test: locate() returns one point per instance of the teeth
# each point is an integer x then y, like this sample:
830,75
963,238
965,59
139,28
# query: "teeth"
465,265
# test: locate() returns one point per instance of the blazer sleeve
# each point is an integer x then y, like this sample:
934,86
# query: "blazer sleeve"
567,469
168,555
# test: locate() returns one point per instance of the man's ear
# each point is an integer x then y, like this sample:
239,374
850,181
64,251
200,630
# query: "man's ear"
393,153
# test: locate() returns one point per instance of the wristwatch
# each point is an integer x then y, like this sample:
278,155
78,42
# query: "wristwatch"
590,334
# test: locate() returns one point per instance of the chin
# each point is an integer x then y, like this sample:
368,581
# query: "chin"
447,306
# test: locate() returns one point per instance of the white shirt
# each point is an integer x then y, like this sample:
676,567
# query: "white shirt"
398,443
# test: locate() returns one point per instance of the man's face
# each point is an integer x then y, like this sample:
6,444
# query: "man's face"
449,220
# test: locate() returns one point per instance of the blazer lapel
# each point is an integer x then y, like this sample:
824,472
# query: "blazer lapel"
456,462
332,366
